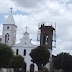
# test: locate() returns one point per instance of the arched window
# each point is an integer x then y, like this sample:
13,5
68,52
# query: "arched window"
32,68
24,52
46,41
46,38
17,52
7,38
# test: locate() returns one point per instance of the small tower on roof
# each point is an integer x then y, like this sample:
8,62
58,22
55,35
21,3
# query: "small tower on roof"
9,30
46,35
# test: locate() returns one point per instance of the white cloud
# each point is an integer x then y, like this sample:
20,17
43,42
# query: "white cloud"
6,5
29,3
55,11
47,11
22,21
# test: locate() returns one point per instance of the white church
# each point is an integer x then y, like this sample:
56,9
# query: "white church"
9,37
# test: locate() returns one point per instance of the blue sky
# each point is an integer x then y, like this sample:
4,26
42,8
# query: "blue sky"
32,12
2,18
2,15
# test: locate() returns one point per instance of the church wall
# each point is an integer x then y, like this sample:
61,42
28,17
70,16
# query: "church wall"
27,57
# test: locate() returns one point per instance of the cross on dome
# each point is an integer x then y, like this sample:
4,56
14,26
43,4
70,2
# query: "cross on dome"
11,9
26,28
10,19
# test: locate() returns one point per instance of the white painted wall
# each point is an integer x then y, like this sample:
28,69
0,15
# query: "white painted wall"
12,33
25,43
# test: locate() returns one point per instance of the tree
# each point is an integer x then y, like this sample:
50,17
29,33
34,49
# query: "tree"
63,61
40,56
17,62
6,54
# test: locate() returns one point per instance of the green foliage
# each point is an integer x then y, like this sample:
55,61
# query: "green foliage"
5,55
40,56
63,61
17,62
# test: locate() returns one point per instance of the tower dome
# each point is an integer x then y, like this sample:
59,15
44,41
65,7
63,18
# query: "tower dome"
10,19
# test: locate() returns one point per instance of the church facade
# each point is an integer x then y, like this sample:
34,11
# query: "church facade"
24,47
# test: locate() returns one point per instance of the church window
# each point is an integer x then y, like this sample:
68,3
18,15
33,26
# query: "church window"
7,27
7,38
24,52
46,39
17,52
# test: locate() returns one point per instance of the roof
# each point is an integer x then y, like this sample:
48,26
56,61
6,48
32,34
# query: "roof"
10,19
26,33
25,42
46,27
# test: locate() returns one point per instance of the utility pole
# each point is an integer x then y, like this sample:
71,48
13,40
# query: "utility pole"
62,61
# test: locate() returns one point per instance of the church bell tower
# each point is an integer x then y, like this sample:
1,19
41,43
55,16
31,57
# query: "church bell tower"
9,31
46,35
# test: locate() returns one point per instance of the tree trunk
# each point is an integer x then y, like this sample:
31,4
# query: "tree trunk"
40,68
